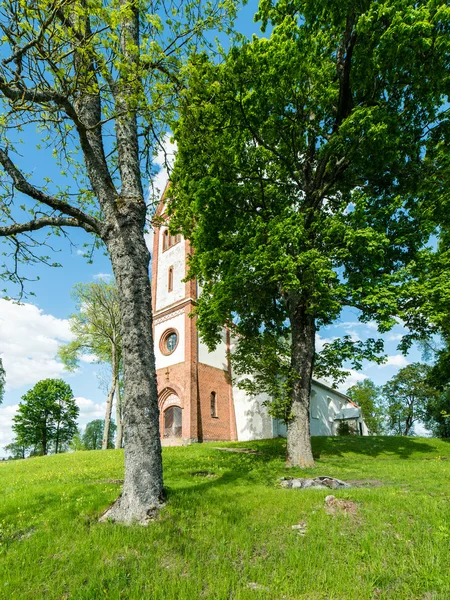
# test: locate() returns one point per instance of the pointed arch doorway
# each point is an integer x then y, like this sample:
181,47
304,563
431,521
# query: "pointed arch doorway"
172,422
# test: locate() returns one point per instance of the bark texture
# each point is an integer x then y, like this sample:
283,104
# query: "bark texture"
143,492
299,451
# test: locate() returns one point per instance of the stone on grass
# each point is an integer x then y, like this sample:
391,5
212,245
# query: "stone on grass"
321,483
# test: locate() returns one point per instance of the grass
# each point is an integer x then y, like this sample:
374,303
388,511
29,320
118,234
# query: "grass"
229,535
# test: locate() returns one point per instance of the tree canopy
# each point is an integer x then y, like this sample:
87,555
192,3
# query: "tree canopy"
406,397
93,435
46,417
299,180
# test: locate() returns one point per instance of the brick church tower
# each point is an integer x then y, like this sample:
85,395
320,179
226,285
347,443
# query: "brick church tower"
194,385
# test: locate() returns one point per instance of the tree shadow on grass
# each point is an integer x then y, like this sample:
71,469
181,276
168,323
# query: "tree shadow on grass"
373,446
340,446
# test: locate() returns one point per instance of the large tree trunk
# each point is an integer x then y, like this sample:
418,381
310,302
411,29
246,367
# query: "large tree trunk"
143,491
299,451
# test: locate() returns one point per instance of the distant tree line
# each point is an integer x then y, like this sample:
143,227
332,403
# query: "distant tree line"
92,438
408,398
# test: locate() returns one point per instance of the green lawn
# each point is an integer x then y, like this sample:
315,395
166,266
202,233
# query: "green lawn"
230,536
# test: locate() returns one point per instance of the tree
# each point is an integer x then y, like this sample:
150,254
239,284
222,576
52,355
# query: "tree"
76,443
297,179
367,396
97,330
99,80
437,413
47,416
93,435
406,396
16,449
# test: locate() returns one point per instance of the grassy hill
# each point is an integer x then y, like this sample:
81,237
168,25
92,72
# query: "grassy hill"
226,532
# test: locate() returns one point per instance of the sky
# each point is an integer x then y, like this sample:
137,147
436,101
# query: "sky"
31,332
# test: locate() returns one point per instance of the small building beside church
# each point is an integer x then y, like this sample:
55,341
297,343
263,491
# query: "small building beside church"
197,398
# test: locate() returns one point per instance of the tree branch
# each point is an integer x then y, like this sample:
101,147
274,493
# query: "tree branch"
36,224
88,222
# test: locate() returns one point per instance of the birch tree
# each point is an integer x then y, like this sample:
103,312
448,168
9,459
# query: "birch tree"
98,80
97,332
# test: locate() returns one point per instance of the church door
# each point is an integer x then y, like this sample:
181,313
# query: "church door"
172,422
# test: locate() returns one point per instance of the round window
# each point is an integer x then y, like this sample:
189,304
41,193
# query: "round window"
169,341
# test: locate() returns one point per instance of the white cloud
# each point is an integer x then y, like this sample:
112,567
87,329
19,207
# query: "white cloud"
80,252
394,337
88,358
164,160
395,360
89,410
320,342
351,379
29,341
6,420
421,430
103,276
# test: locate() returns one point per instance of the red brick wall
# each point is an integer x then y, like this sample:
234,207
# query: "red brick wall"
209,380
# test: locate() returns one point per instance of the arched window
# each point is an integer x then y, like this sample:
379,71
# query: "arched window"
213,405
170,280
165,239
169,240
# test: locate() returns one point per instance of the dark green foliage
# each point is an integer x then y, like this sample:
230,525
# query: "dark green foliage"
93,435
437,414
46,417
344,429
367,396
303,169
406,397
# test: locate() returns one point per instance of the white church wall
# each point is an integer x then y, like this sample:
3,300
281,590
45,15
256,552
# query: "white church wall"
254,422
252,419
177,355
173,257
218,357
325,404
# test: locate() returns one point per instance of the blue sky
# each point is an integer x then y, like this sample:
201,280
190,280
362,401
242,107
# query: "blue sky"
31,333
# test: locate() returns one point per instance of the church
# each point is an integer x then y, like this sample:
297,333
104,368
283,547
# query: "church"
198,400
